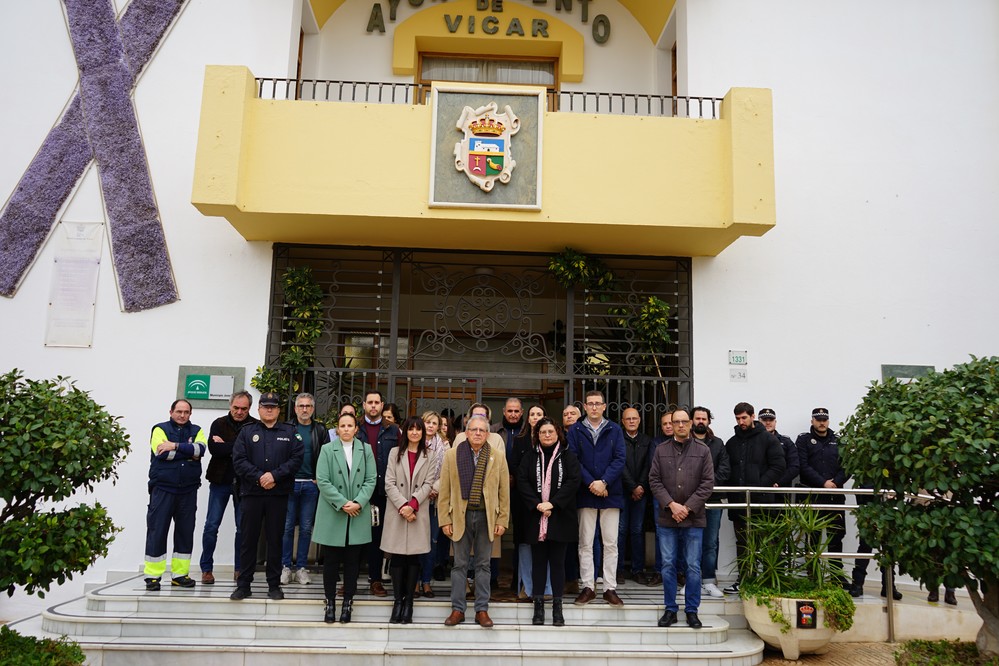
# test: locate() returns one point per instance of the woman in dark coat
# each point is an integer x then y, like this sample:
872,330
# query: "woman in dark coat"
522,443
547,481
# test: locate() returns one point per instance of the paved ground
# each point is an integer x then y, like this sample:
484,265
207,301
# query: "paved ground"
841,654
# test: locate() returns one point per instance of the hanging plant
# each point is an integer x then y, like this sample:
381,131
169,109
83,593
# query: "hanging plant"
304,297
572,268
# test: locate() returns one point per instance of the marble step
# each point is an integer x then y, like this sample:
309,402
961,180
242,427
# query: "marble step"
437,647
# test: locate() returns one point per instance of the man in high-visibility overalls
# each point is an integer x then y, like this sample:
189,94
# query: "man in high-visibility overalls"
177,447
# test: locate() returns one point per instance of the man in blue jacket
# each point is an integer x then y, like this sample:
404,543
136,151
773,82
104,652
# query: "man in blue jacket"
599,446
177,447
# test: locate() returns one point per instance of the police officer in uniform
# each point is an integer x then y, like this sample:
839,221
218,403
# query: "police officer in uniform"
819,466
265,458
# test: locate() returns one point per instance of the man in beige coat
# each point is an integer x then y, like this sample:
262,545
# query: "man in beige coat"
473,509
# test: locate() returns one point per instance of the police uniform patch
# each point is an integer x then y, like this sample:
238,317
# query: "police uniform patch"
256,438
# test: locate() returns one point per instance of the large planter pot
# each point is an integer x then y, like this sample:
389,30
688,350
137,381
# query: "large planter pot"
796,641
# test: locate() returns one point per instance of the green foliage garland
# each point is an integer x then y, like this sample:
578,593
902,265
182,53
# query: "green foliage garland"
54,440
304,297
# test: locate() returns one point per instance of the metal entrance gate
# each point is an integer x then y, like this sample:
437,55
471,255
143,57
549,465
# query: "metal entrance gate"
436,329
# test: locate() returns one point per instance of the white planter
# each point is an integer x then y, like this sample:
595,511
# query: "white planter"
796,641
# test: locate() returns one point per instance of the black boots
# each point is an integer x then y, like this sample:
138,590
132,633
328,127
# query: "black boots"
398,592
409,585
348,609
539,611
329,613
557,618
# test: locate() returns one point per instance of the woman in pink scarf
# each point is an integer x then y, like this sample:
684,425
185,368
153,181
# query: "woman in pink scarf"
547,481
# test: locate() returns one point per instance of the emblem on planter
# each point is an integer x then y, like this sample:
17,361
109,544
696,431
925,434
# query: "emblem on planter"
486,152
806,614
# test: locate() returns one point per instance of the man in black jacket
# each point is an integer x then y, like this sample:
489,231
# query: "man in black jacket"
222,481
635,482
382,437
756,459
818,457
701,432
768,418
265,458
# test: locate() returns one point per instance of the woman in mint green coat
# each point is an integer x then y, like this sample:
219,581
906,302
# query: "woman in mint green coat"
345,473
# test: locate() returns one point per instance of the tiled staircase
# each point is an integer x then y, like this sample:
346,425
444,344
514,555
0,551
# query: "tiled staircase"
120,623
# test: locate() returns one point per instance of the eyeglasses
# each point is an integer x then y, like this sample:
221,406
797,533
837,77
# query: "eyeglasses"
678,422
305,406
477,430
594,404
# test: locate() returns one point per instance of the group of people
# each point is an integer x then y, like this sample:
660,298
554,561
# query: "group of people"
574,492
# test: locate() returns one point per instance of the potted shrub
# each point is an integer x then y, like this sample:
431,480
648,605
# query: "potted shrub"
791,595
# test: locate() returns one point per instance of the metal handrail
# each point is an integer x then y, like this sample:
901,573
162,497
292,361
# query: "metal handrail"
749,505
571,101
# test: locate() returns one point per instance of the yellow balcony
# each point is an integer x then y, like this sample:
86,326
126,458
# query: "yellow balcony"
358,173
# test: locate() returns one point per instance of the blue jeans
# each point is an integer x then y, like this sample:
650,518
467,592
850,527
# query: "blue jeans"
302,503
630,531
709,556
659,544
427,559
218,499
525,571
670,539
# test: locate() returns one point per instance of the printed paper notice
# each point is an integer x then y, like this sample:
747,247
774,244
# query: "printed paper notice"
73,295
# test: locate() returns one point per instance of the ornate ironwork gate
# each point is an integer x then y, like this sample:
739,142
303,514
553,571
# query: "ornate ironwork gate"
435,329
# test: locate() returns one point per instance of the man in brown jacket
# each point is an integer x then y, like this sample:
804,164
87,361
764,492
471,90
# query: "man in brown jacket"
681,478
473,509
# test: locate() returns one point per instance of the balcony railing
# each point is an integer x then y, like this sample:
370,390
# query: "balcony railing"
374,92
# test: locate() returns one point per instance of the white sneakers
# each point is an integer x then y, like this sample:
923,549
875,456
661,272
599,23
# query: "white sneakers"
712,590
301,576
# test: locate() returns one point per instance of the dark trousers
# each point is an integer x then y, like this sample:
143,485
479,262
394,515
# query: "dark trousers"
375,556
740,527
333,557
165,509
545,554
267,512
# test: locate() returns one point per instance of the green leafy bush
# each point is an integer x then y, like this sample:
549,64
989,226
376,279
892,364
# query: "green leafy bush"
941,653
937,435
18,650
54,440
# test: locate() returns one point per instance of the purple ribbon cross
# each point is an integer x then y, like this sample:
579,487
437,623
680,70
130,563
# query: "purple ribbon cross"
99,124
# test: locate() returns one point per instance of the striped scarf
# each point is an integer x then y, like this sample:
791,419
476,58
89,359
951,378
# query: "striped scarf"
543,474
471,476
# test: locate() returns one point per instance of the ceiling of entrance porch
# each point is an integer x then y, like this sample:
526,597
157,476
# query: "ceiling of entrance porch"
650,14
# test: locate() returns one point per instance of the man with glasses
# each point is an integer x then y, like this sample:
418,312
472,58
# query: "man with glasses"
682,478
304,496
265,457
598,444
222,481
473,509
